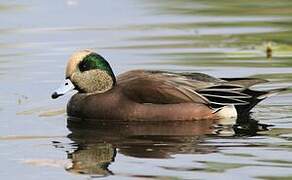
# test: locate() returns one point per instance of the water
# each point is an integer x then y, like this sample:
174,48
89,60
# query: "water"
225,39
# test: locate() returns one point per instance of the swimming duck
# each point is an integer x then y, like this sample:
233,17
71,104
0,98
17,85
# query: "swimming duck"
145,95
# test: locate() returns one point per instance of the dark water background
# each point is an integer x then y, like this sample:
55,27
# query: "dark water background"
223,38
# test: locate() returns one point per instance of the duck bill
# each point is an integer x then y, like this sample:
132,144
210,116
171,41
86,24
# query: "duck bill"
65,87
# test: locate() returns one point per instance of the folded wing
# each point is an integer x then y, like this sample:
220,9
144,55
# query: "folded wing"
161,87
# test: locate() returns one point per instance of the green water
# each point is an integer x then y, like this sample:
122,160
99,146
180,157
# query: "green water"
222,38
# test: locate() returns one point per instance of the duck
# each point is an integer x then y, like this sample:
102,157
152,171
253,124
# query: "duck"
154,95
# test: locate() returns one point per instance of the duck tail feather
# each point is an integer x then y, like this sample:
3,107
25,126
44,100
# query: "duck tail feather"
273,92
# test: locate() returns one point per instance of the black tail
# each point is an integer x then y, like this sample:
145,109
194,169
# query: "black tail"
256,97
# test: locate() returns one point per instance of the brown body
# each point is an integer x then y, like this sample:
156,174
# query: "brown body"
114,105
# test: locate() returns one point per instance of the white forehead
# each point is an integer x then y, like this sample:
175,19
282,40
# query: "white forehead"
74,60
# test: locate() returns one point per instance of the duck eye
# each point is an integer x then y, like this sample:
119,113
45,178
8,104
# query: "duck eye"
83,66
66,83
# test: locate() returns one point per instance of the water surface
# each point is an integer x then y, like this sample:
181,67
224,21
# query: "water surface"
221,38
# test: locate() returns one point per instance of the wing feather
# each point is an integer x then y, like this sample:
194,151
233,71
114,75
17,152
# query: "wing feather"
160,88
163,87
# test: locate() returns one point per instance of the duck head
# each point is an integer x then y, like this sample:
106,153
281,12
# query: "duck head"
86,72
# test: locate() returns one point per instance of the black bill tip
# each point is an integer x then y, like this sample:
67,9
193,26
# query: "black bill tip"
56,95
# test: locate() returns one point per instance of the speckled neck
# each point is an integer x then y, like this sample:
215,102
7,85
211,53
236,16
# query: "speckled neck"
93,81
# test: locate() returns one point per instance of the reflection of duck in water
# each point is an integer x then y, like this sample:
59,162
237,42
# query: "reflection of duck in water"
97,142
92,159
154,95
97,145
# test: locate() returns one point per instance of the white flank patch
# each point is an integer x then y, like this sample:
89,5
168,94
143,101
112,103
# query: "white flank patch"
227,115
